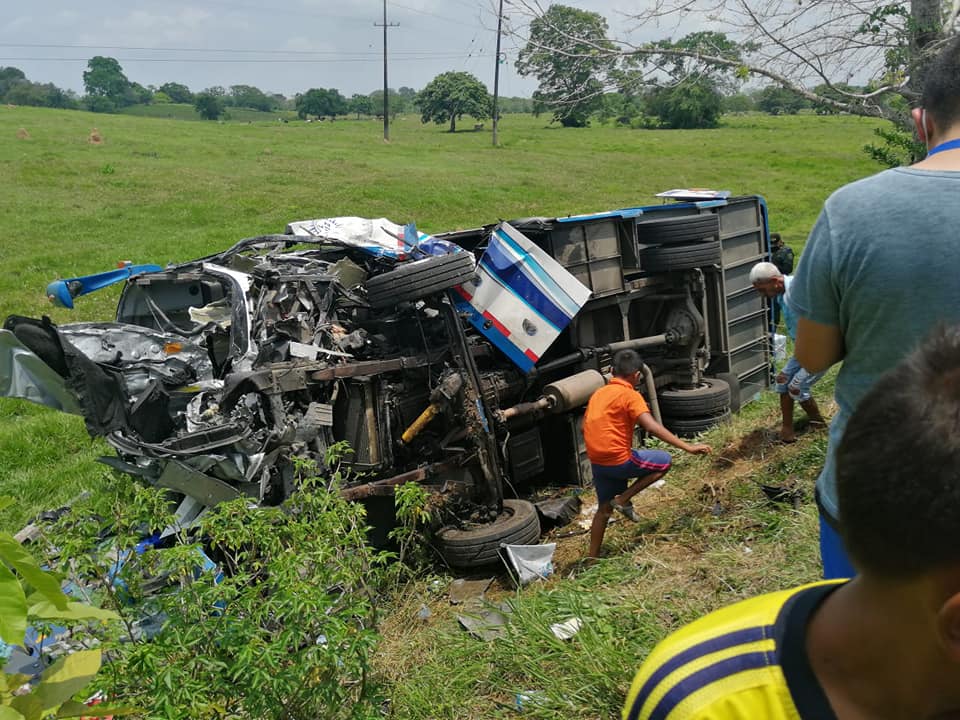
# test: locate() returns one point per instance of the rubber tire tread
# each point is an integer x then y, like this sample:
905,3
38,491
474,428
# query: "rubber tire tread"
414,280
480,546
702,228
709,400
690,427
686,256
734,382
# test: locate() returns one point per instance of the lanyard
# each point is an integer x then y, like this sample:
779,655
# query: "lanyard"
948,145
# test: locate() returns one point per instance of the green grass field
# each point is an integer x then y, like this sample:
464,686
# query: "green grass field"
183,111
159,190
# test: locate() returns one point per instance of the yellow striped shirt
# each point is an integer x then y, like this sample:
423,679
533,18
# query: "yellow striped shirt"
746,661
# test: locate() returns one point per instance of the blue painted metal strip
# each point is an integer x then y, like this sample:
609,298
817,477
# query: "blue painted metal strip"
511,274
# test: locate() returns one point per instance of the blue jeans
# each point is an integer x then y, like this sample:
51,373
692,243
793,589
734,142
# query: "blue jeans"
798,381
833,556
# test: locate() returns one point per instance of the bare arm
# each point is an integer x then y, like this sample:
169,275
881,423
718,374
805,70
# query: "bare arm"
648,423
818,346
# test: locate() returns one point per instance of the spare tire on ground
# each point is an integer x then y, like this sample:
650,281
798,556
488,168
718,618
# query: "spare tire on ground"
479,546
419,278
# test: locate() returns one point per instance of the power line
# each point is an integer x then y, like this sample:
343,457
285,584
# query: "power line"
430,14
239,60
224,50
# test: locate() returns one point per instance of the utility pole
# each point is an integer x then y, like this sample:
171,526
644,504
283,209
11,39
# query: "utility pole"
496,77
386,92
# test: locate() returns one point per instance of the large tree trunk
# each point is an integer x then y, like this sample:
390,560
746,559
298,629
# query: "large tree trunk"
453,123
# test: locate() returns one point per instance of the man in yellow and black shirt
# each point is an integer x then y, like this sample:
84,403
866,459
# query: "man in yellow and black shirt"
885,645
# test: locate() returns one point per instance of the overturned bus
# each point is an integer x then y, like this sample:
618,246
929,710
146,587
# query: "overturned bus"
461,361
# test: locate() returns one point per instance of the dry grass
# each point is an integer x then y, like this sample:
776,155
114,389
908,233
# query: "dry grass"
711,537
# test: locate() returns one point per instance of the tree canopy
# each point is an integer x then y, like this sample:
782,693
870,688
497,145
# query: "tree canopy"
321,103
104,78
807,47
177,93
209,105
249,96
693,103
450,96
569,53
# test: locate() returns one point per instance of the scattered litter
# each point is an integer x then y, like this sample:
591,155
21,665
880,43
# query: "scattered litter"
566,629
557,512
423,613
22,134
529,699
587,516
462,590
527,563
658,484
95,138
747,550
483,621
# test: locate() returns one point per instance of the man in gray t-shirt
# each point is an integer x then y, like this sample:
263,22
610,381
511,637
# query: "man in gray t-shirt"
868,288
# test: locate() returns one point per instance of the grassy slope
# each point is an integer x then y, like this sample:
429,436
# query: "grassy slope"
158,191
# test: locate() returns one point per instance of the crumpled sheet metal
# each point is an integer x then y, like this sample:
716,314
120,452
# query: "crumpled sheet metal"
24,375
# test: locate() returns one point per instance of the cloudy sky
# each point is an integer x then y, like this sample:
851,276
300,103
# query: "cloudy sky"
282,46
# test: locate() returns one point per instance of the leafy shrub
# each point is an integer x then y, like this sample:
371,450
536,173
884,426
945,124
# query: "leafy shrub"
281,625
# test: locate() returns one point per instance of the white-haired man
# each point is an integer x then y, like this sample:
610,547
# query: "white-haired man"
793,383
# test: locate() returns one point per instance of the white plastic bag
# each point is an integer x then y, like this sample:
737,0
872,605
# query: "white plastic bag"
529,562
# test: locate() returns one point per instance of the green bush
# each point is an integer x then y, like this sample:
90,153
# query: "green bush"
283,625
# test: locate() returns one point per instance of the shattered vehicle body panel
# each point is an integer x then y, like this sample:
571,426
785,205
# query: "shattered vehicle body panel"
462,361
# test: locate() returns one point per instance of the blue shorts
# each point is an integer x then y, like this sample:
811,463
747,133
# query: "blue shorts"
833,555
798,381
611,480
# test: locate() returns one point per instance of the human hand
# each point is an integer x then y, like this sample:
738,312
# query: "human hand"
699,449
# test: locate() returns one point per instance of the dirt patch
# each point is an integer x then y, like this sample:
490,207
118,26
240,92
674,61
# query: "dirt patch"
22,134
95,138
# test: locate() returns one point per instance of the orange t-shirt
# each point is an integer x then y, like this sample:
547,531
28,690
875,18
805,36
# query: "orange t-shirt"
608,424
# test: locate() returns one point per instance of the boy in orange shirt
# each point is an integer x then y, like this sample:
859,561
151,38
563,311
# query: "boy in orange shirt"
612,413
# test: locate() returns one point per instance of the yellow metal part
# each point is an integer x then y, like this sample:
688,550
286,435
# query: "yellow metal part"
421,422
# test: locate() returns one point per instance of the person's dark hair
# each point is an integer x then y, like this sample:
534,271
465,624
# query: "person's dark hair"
941,90
775,239
626,363
898,465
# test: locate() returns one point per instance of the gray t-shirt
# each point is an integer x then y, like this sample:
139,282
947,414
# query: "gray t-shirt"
879,264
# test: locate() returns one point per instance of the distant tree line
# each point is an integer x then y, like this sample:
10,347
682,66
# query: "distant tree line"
109,90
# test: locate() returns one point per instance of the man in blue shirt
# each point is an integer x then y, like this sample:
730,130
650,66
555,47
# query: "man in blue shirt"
868,287
793,383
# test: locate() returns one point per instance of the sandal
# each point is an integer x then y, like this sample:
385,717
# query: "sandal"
626,510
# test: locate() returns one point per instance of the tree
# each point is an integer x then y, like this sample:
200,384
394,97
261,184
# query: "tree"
10,76
250,97
361,105
777,100
693,103
802,46
321,103
569,53
177,93
209,105
408,97
737,103
376,102
137,94
450,96
104,78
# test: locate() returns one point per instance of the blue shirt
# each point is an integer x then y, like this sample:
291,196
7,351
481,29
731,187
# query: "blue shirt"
878,265
789,316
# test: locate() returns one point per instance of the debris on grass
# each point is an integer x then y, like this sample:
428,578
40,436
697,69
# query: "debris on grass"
22,134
